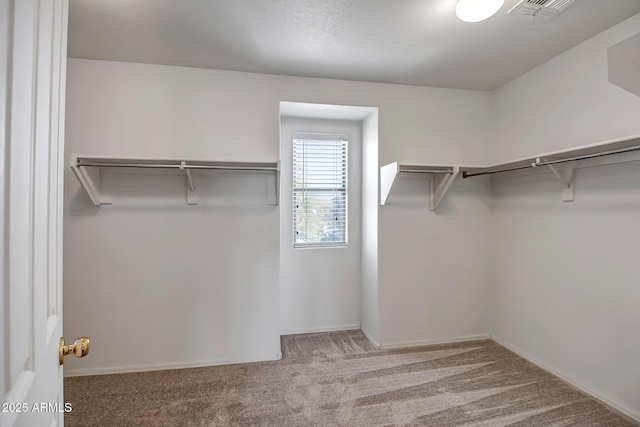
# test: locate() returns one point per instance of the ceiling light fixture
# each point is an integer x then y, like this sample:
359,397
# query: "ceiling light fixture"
477,10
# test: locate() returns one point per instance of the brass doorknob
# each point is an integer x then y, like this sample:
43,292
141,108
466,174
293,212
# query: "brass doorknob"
80,348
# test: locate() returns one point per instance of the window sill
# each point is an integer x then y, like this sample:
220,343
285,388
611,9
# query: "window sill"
319,246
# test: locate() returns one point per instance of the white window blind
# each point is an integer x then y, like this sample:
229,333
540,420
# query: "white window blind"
319,190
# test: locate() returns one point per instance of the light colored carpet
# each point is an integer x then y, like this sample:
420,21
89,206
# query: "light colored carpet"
338,379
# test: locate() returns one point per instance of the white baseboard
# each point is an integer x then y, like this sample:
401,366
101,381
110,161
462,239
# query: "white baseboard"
417,343
626,411
321,329
366,333
165,366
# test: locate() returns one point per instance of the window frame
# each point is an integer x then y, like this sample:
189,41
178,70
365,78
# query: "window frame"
329,137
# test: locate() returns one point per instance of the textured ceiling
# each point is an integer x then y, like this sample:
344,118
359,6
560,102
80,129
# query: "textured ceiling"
418,42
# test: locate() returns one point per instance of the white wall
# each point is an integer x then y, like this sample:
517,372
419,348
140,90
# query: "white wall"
156,283
369,302
320,287
566,291
435,266
434,269
125,109
566,102
153,282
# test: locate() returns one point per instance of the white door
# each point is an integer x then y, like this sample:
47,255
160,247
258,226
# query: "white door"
33,40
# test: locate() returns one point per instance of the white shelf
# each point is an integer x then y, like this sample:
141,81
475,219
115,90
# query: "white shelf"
573,158
580,153
88,171
442,177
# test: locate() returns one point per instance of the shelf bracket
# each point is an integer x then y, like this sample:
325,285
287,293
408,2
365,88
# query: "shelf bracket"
567,179
273,187
439,186
91,181
388,175
192,196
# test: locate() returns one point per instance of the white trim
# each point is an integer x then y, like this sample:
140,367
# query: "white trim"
315,330
616,406
166,366
403,344
321,136
375,343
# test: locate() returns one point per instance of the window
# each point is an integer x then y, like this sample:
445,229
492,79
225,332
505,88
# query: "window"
319,190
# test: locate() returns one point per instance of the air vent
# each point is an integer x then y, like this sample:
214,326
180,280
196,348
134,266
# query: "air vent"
540,8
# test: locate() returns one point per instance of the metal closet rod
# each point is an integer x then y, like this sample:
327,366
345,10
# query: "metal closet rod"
557,161
589,156
165,166
466,174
